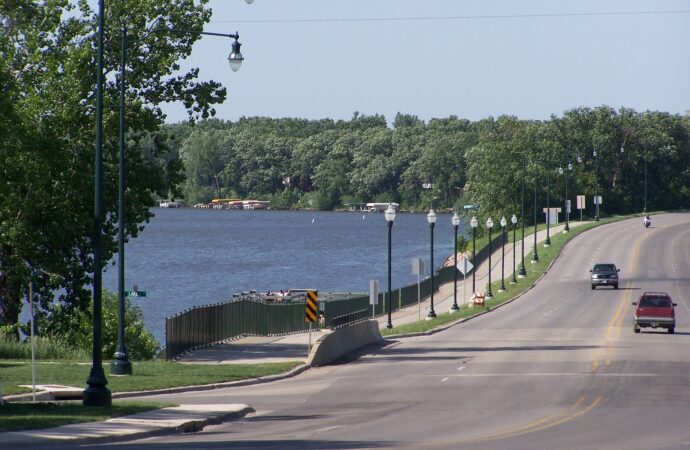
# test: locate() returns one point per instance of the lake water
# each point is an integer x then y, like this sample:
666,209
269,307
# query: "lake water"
187,257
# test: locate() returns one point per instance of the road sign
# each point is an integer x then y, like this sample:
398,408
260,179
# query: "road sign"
417,266
135,293
598,200
464,266
581,202
567,207
373,292
311,312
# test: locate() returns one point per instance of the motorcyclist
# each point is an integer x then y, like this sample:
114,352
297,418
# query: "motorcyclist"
646,221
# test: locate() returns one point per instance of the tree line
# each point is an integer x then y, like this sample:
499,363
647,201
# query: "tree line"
447,163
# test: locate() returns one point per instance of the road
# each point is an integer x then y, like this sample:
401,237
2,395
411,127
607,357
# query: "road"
559,368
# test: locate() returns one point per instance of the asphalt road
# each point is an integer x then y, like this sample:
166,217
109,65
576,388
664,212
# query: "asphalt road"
559,368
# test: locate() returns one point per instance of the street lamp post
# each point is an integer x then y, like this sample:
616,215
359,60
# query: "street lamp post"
390,217
644,210
456,222
489,225
503,222
513,220
547,241
97,394
566,203
535,255
431,218
473,224
523,271
596,179
120,364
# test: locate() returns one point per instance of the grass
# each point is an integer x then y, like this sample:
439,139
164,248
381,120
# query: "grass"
45,349
34,416
147,375
534,271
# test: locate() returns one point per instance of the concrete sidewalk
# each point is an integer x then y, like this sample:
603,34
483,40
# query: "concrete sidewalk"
183,418
255,350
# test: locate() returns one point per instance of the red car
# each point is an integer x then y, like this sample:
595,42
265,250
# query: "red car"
654,309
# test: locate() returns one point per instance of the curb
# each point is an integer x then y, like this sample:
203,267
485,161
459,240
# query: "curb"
208,387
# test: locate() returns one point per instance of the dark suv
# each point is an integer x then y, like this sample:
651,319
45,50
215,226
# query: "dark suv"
605,274
654,309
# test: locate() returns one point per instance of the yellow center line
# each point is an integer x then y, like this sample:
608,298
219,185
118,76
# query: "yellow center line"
613,330
544,423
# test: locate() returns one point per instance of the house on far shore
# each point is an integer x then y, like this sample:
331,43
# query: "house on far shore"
380,207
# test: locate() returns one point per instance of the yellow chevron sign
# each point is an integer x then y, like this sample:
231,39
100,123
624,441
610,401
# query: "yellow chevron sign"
312,311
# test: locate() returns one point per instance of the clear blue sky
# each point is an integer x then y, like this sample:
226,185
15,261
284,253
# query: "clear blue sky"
318,59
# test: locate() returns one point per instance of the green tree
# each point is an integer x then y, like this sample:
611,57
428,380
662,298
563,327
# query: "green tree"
47,61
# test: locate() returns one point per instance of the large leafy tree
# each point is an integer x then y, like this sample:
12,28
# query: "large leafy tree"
47,120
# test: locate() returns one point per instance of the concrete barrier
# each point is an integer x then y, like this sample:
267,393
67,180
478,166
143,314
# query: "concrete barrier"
344,340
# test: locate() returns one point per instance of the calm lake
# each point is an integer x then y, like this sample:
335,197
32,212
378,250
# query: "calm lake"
187,257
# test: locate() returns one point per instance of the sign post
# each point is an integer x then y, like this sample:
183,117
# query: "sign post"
464,266
311,313
418,269
580,204
373,296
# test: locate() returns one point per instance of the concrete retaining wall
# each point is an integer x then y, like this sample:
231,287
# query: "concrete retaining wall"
343,341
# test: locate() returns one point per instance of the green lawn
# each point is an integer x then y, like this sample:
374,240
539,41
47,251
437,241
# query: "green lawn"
147,374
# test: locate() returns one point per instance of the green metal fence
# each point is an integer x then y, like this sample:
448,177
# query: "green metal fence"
248,314
205,325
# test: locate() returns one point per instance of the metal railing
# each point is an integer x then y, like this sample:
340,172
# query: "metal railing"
251,314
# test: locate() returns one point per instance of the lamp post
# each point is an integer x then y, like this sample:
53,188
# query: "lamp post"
513,220
489,225
535,255
644,210
97,394
120,364
431,218
596,179
566,203
523,271
455,221
547,241
390,217
503,223
473,224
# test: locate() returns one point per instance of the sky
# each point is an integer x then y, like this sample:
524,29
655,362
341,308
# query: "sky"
532,59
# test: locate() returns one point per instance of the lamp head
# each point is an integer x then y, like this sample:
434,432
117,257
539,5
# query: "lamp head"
235,59
513,219
489,223
431,217
503,221
474,222
560,170
389,214
455,220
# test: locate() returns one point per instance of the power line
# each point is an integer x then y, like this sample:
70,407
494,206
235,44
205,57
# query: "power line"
444,18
